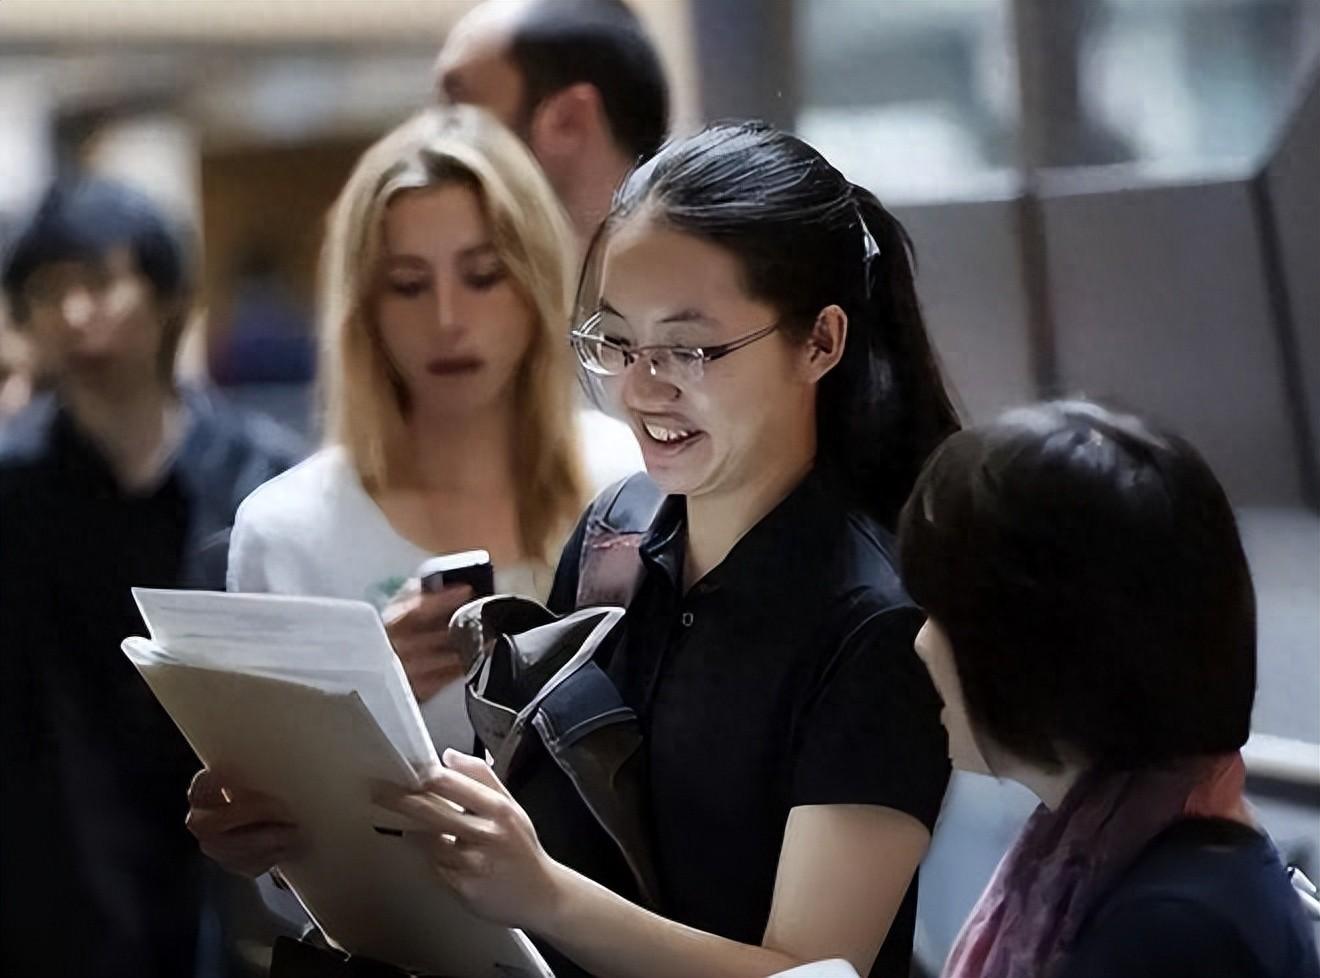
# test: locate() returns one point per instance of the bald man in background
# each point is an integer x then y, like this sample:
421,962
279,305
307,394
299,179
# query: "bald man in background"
579,81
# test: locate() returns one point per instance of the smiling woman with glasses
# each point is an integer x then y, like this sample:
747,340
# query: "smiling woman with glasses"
792,742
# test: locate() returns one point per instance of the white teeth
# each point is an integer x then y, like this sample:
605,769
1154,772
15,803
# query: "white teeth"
665,435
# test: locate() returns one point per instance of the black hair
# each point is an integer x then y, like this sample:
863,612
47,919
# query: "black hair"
805,239
1087,569
83,220
558,43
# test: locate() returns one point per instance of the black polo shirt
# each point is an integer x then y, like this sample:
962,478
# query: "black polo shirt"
786,677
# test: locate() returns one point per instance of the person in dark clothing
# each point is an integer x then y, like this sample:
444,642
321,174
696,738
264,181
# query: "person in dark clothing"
1092,632
115,479
1206,897
753,316
757,325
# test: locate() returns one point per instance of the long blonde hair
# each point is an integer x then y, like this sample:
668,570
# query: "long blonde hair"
363,399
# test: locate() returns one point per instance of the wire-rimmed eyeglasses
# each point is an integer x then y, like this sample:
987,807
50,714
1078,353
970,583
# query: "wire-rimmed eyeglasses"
605,356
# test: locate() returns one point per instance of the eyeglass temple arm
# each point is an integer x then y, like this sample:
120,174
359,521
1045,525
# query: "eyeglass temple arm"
724,349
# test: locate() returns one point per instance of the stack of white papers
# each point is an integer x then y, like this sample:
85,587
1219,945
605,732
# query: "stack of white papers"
304,699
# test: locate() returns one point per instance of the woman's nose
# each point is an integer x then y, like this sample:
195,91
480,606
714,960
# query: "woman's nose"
641,386
449,312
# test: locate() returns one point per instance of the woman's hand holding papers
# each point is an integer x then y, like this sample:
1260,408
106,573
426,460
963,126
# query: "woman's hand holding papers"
483,844
244,831
485,848
417,623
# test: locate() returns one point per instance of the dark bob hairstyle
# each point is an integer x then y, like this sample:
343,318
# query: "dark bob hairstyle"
1087,570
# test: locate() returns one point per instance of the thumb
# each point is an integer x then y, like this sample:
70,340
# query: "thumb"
476,769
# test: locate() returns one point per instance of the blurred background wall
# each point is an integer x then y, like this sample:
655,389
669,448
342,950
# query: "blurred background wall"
1113,197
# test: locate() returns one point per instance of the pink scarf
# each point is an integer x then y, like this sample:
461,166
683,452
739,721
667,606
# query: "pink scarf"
1064,860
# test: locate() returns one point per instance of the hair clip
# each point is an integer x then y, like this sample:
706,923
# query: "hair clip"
869,248
870,251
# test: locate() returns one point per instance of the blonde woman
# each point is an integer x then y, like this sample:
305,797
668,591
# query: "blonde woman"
448,396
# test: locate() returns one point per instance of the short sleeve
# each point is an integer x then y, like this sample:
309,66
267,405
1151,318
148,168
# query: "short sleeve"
871,734
1159,938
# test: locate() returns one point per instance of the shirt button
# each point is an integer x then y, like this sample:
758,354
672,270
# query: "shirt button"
687,619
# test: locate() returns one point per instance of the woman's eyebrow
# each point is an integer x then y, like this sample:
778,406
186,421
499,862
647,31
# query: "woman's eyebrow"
480,250
477,250
404,258
688,315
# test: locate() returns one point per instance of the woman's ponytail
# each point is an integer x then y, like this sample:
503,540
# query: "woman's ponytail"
887,408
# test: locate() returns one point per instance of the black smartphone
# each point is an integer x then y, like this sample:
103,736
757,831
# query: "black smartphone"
472,567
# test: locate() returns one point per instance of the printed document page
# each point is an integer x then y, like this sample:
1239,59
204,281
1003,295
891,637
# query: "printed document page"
303,699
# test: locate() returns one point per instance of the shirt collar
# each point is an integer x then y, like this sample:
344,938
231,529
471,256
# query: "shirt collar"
664,545
775,543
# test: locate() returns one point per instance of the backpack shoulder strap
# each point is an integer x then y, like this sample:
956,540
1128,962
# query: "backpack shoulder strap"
609,567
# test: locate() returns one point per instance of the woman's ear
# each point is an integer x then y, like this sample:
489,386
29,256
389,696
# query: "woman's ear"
824,347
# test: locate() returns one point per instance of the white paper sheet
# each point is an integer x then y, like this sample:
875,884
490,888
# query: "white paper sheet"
833,968
282,691
321,642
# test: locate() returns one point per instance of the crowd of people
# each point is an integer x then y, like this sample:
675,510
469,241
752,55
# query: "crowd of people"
834,591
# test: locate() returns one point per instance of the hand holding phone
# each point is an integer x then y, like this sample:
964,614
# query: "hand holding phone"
417,621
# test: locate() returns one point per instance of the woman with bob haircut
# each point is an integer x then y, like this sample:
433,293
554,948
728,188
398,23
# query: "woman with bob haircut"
1092,633
447,389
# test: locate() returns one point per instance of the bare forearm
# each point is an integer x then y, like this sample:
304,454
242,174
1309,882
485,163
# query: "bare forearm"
612,938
